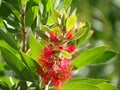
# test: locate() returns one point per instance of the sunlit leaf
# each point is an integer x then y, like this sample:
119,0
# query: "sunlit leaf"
66,54
77,86
56,14
71,22
107,55
66,3
107,86
35,48
89,56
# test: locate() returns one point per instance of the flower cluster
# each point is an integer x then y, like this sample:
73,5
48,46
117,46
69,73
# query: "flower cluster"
56,67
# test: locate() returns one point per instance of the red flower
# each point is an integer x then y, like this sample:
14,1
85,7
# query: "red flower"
55,71
69,35
53,37
71,48
48,51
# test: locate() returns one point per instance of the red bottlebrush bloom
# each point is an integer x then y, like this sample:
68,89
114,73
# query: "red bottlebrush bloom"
61,47
48,51
69,35
53,37
55,71
71,48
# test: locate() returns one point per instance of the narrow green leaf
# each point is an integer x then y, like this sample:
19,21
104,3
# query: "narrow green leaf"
5,37
11,26
85,35
67,3
31,15
89,56
106,56
45,28
56,14
79,34
8,80
35,48
71,22
66,54
4,86
29,62
6,45
16,64
77,86
42,34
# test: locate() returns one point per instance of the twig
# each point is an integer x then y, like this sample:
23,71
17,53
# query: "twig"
23,31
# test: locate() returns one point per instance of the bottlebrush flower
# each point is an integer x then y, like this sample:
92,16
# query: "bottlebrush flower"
53,37
69,35
71,48
56,71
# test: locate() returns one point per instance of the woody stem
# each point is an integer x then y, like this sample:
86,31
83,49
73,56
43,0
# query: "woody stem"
23,31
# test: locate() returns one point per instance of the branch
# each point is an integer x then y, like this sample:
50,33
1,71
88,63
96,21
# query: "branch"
23,31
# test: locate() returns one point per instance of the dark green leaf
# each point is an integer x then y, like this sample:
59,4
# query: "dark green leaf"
89,56
4,86
5,37
16,64
31,15
42,34
11,26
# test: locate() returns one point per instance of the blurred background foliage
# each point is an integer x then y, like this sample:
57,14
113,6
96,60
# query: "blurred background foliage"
104,16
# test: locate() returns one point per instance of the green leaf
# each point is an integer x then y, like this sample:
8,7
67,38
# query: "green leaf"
5,37
45,28
13,9
107,86
105,57
35,48
77,86
66,54
16,64
89,56
87,80
67,3
42,34
8,80
56,14
85,35
71,21
4,67
4,86
79,34
11,26
31,15
6,45
29,62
